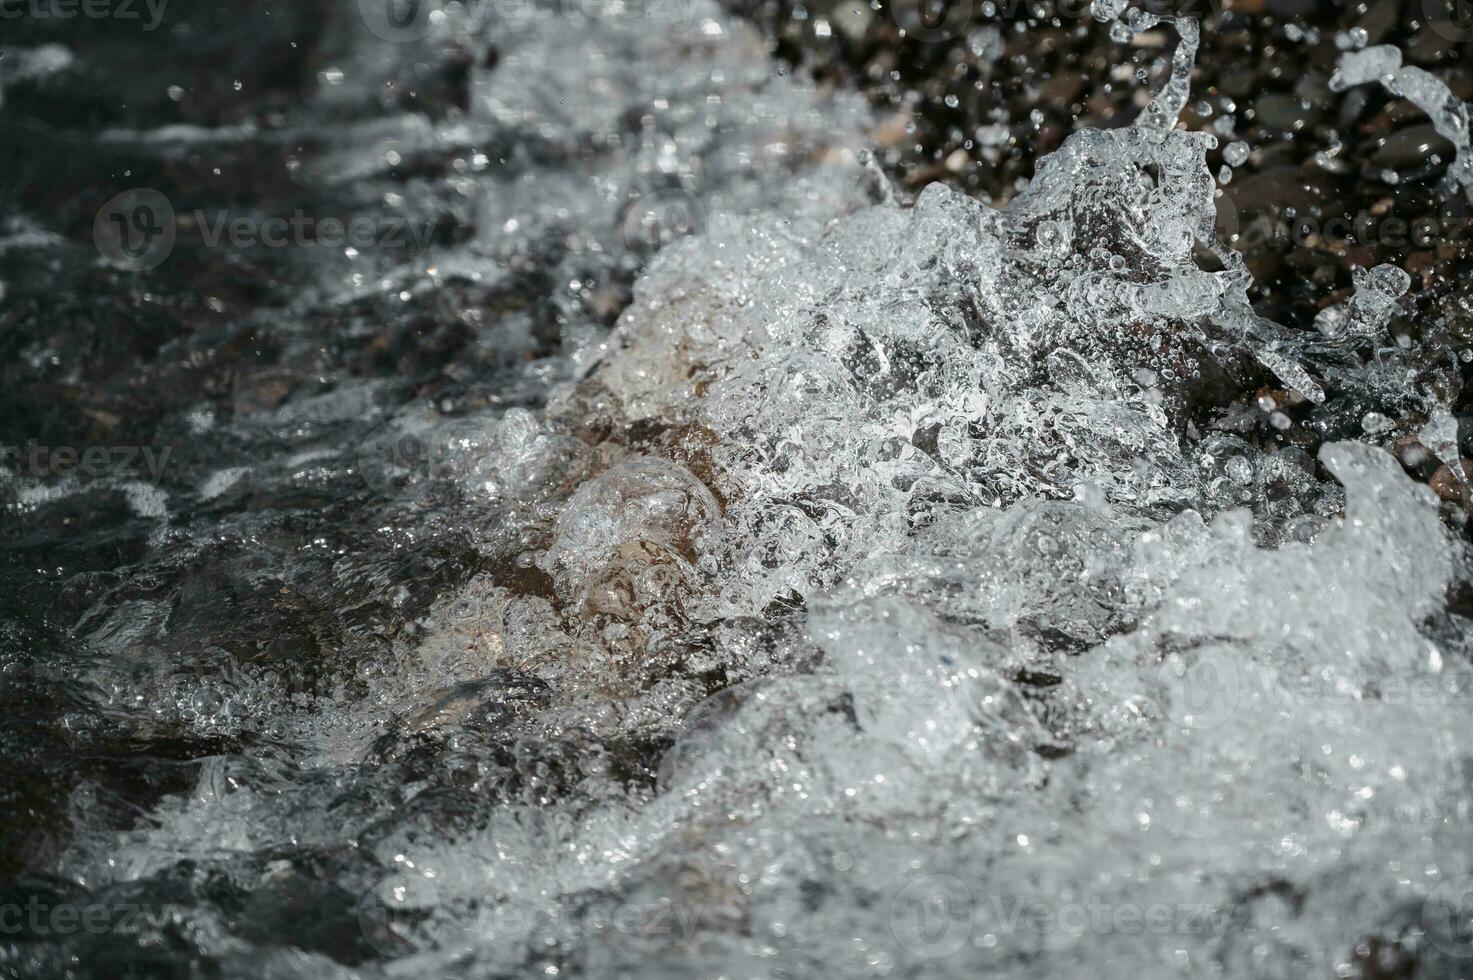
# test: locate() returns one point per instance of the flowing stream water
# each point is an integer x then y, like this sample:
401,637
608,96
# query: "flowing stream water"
657,548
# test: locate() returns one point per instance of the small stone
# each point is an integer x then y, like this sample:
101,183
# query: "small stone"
1411,147
1447,485
1375,424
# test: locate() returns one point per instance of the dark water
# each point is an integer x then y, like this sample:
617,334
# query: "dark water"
147,382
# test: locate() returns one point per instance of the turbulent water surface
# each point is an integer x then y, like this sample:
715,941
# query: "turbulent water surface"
652,545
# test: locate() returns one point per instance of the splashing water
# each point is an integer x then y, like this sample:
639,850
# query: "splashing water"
960,642
1426,91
